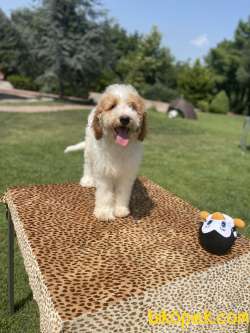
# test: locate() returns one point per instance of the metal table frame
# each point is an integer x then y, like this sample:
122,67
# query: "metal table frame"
11,235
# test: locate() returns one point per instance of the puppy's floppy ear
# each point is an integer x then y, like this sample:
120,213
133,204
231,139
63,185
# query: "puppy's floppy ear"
96,124
137,103
143,128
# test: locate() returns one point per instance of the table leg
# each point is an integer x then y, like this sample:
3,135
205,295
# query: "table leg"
10,262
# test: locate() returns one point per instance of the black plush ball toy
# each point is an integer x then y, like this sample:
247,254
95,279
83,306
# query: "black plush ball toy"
218,232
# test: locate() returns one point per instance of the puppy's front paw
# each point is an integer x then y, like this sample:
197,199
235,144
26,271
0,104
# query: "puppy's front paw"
104,214
87,182
121,211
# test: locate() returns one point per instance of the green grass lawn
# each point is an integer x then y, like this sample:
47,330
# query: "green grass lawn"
200,161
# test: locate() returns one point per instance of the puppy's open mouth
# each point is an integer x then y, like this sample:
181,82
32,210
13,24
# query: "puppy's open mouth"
121,135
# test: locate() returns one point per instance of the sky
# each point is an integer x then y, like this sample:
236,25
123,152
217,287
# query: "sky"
189,27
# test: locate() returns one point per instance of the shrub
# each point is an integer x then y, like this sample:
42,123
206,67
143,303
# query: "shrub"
159,92
220,103
203,106
22,82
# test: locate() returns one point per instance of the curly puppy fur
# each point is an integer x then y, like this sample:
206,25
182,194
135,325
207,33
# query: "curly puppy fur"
113,149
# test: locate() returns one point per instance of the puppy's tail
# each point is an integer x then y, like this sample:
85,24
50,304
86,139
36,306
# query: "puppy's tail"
78,146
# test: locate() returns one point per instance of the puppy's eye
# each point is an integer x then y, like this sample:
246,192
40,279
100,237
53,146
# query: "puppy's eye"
209,222
112,106
133,106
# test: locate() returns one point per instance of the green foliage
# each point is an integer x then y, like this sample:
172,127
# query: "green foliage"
22,82
8,42
220,103
203,106
230,60
13,52
27,24
224,61
160,91
106,78
119,44
66,42
140,61
242,40
71,47
149,64
195,82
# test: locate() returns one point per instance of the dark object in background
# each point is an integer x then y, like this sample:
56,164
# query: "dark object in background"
183,107
245,133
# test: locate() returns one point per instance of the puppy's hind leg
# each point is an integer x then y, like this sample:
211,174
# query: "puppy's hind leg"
87,179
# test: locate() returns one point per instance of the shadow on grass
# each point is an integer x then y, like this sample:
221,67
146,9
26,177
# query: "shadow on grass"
245,148
20,304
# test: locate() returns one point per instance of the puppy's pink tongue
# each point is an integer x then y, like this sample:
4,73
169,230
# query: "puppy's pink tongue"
122,136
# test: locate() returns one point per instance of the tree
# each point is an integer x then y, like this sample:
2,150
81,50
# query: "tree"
231,62
195,82
242,41
66,41
71,43
148,65
220,103
27,25
224,60
119,44
12,48
243,76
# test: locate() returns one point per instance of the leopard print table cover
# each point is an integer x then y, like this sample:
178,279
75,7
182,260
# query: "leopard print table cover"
97,277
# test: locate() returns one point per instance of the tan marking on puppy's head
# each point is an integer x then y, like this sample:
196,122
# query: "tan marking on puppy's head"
106,103
137,103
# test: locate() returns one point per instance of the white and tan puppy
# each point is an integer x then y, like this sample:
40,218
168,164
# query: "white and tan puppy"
113,149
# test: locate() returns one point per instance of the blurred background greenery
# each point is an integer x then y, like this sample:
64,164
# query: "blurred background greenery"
72,47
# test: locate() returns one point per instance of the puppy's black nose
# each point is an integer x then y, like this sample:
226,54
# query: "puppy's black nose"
124,120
